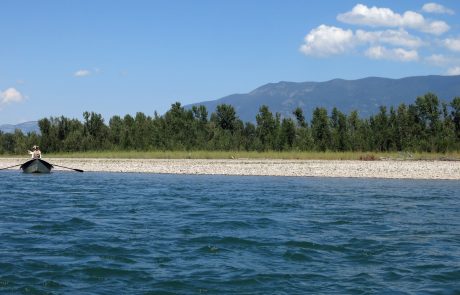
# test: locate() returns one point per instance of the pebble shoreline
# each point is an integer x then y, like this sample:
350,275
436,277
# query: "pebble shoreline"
256,167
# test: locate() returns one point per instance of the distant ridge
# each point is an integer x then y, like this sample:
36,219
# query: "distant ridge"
25,127
365,95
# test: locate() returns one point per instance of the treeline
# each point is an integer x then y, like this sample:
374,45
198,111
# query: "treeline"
426,125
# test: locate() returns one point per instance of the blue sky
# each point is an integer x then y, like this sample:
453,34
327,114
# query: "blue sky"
119,57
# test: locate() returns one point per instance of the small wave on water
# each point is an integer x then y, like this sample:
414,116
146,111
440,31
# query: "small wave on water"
232,241
72,224
316,246
108,233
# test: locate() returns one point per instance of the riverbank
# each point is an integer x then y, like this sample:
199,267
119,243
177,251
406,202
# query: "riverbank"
272,155
264,167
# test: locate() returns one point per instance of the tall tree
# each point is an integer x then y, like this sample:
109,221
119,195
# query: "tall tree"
288,133
455,105
177,124
298,113
320,129
95,131
339,130
116,127
429,114
380,130
141,131
226,117
266,127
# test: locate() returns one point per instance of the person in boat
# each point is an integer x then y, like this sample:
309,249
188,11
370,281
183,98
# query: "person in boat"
35,152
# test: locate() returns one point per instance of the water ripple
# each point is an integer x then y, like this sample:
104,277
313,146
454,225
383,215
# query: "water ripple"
108,233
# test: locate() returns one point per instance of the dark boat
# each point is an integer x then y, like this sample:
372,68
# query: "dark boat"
36,166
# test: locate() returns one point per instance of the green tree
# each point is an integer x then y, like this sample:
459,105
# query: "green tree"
288,134
266,127
250,140
339,131
201,127
116,127
429,113
178,134
320,129
446,138
158,135
127,137
142,130
356,137
455,105
298,113
426,125
226,117
49,140
303,140
200,113
380,130
95,131
8,143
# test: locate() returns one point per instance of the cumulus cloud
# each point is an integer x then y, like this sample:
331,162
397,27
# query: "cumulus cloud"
453,71
397,54
437,8
452,43
385,17
10,95
435,27
438,59
327,40
389,35
82,73
393,37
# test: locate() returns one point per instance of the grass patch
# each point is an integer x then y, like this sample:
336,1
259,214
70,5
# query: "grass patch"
288,155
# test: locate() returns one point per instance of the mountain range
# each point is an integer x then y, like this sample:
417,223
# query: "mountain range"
364,95
25,127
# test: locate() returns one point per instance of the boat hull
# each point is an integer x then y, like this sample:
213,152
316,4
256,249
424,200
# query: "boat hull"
36,166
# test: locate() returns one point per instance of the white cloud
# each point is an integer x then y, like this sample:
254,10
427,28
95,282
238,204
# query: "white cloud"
82,73
438,60
435,27
327,40
10,95
385,17
437,8
452,43
388,44
393,37
453,71
397,54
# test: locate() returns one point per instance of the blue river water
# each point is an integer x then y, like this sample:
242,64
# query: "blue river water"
109,233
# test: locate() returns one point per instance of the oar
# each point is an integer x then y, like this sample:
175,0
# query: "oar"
78,170
10,167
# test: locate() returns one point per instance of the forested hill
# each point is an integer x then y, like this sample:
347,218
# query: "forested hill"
25,127
427,125
364,95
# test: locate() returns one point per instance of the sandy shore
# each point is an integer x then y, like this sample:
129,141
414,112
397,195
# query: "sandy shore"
307,168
